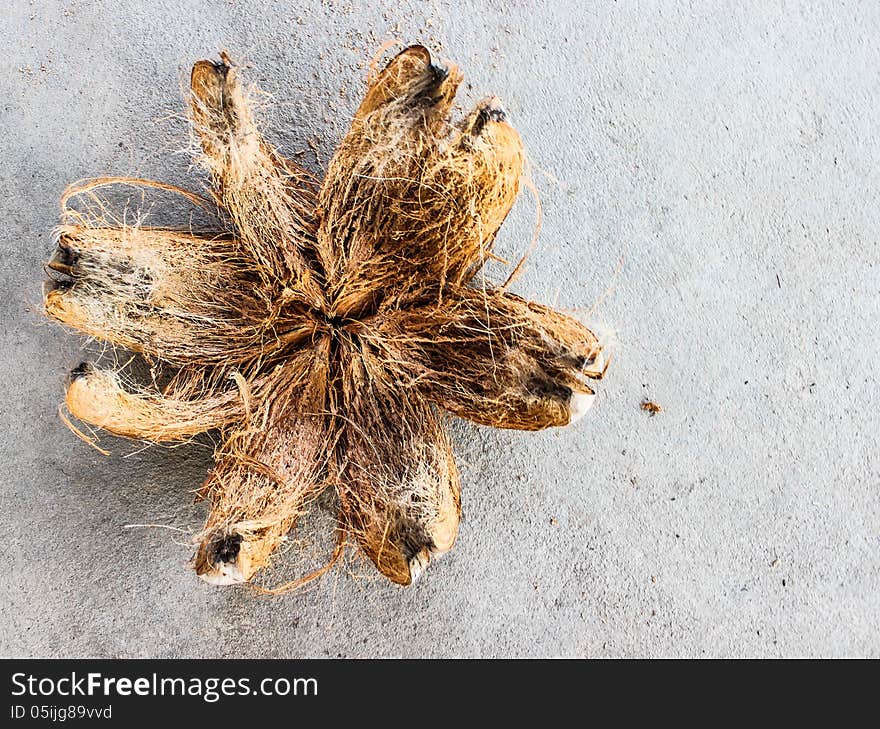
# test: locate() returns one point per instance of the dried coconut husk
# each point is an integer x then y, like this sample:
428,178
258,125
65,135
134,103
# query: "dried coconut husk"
409,196
492,357
270,200
321,328
99,397
178,297
396,474
268,470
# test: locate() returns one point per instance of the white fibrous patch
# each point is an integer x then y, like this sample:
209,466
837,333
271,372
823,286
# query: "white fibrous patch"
579,404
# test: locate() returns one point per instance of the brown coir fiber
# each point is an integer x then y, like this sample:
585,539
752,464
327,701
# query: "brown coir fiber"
324,327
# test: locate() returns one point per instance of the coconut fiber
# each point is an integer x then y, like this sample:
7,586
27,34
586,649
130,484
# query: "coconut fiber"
323,326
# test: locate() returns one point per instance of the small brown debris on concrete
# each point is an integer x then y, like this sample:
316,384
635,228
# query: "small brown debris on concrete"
649,406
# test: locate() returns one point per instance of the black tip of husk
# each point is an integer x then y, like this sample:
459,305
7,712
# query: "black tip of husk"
489,114
65,254
81,370
439,72
225,548
55,284
61,268
429,91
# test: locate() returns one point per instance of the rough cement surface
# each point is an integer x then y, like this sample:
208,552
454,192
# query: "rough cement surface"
728,155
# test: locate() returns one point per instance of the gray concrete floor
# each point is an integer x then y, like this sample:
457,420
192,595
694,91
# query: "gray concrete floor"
728,157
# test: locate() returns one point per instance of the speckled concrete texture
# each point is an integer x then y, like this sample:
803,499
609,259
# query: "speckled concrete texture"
709,180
